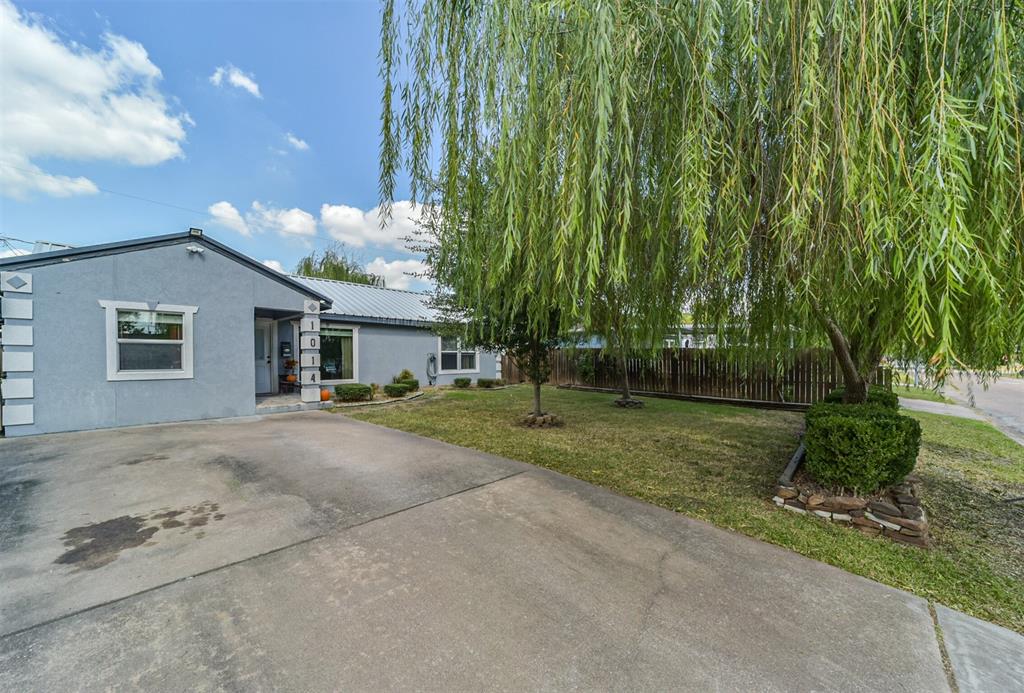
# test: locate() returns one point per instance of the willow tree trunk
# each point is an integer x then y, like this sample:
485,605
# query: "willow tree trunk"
536,399
626,394
856,376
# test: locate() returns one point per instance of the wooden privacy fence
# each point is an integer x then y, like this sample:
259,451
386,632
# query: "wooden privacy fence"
802,377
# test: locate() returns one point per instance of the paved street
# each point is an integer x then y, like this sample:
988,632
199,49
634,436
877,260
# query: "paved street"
1002,402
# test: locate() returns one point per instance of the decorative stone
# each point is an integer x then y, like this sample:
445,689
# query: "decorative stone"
856,513
778,501
802,497
907,539
815,499
865,522
913,512
846,503
794,508
870,531
841,517
911,532
786,492
795,503
906,499
822,513
885,523
883,507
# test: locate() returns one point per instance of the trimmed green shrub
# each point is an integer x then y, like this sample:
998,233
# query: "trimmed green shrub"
396,390
412,383
486,382
353,392
876,395
863,447
462,382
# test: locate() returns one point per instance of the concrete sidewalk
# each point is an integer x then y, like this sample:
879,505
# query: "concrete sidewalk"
943,408
350,556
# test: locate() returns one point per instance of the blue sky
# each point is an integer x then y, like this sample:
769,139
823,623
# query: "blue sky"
261,118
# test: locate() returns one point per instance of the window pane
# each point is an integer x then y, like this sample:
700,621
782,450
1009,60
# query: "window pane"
449,361
149,324
149,357
468,360
336,354
449,344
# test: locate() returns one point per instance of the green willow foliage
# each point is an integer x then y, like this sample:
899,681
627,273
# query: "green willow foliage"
336,263
794,171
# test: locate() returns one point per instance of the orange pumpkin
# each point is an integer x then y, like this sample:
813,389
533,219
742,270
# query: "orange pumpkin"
325,395
291,377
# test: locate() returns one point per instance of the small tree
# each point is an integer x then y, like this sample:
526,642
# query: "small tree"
528,347
336,262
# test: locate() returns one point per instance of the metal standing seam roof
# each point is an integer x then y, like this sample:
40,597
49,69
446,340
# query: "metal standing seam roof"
372,303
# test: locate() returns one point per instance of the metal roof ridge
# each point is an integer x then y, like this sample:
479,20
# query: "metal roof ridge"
368,286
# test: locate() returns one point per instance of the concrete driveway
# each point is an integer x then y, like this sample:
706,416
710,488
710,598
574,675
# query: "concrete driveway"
312,552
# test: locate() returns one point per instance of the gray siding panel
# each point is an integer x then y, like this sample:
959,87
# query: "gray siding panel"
385,350
71,387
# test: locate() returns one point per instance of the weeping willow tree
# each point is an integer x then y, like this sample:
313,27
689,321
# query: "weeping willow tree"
811,173
335,262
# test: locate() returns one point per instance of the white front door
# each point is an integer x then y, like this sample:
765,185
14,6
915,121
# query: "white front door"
264,353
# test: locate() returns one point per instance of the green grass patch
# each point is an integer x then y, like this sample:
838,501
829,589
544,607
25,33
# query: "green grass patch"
719,463
927,394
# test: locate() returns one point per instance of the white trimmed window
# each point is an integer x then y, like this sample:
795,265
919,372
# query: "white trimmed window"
456,357
339,354
148,342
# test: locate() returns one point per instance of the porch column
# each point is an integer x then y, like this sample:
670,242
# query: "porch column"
309,351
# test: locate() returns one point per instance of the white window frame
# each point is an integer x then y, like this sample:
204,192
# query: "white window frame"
461,351
355,351
114,373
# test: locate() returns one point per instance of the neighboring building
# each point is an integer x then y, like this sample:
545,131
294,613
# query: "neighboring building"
181,327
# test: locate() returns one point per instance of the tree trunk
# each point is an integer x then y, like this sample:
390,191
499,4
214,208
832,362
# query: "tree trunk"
626,395
855,383
536,399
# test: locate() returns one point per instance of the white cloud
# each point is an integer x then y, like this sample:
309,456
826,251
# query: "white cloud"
67,101
274,265
260,218
286,222
397,272
235,78
359,229
225,214
294,141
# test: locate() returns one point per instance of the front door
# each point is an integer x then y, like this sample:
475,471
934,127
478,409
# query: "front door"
264,353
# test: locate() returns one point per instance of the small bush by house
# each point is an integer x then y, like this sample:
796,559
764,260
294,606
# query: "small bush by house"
396,390
403,375
412,383
353,392
863,447
462,382
876,395
486,382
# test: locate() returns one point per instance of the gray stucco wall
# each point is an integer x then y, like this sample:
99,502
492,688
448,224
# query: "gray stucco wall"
71,387
384,350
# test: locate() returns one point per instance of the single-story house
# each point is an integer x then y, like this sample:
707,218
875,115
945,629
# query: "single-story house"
181,327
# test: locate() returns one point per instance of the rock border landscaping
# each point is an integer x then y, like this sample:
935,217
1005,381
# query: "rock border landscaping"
542,421
895,513
372,403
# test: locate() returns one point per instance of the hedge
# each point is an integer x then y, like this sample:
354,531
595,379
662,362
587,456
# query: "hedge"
353,392
489,382
412,383
876,395
864,447
396,389
462,382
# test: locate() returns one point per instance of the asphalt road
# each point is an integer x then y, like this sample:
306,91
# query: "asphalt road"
1001,402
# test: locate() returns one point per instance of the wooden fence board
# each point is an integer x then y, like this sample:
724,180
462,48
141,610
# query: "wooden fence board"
802,377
